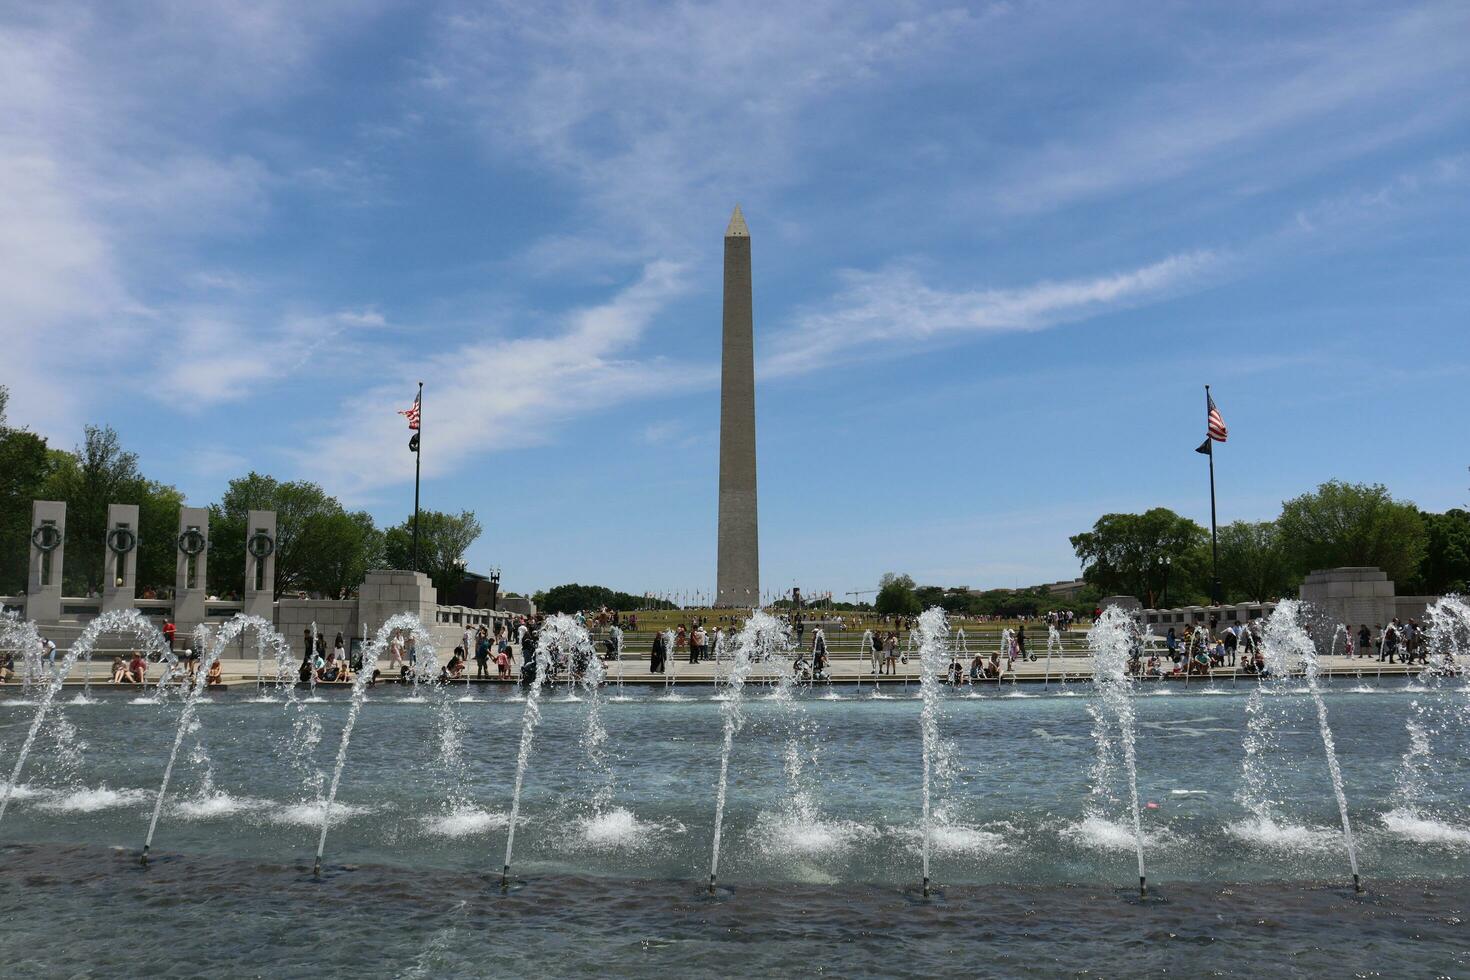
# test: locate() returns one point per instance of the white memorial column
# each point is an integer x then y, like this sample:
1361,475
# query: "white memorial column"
48,546
260,564
120,558
191,578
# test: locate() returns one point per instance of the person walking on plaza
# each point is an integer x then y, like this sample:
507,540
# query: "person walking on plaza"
1390,643
168,633
697,640
1365,640
482,655
657,654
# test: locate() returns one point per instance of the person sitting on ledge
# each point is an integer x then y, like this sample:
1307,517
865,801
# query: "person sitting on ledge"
992,669
956,673
1201,664
119,671
137,669
977,668
800,669
216,674
454,670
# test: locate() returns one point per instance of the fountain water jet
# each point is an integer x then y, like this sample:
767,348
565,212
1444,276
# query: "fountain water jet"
762,636
1287,643
213,649
933,648
1434,719
1114,639
116,621
406,622
530,718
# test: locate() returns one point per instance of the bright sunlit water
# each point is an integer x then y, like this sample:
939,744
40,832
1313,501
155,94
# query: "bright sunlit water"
828,859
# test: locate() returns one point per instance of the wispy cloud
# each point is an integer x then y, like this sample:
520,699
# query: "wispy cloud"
1248,114
656,112
110,187
507,393
895,305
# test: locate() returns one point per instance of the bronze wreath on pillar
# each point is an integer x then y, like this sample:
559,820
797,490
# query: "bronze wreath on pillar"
192,542
121,540
261,545
47,537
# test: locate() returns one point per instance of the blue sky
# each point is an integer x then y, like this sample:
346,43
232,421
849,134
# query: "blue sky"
998,249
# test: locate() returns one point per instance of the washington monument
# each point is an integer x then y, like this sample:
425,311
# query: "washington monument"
739,580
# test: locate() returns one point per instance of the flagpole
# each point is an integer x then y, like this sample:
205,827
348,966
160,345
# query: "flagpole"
1214,538
418,457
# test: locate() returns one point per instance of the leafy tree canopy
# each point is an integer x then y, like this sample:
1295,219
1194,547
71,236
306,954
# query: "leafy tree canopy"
1446,565
443,541
1354,524
1137,554
305,517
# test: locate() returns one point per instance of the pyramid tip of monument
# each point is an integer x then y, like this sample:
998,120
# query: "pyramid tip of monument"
736,228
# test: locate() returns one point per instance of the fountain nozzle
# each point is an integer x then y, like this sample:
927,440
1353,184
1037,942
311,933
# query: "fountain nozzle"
1142,886
143,859
926,886
505,879
316,871
1357,883
711,884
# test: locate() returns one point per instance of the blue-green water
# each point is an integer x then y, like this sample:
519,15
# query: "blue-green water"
821,841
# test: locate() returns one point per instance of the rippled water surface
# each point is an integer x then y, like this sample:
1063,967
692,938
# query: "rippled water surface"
821,852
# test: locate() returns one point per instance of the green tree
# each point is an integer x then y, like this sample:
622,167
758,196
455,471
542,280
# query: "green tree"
1254,563
158,532
339,548
1446,565
98,473
304,512
443,541
1354,524
896,596
1136,554
573,598
25,464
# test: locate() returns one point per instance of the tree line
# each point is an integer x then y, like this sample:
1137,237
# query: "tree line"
1165,559
573,598
322,548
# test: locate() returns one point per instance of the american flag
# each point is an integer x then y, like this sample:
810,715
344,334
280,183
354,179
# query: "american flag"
1215,423
413,414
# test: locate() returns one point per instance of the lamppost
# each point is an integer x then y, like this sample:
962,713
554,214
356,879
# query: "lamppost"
1166,561
494,586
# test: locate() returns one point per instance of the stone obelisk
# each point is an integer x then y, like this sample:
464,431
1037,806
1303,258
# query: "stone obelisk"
738,574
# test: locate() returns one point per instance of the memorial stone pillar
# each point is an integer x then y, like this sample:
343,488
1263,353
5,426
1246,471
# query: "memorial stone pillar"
191,578
120,558
260,564
48,547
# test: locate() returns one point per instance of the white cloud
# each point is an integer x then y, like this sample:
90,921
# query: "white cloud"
109,182
657,112
1256,113
506,393
895,305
